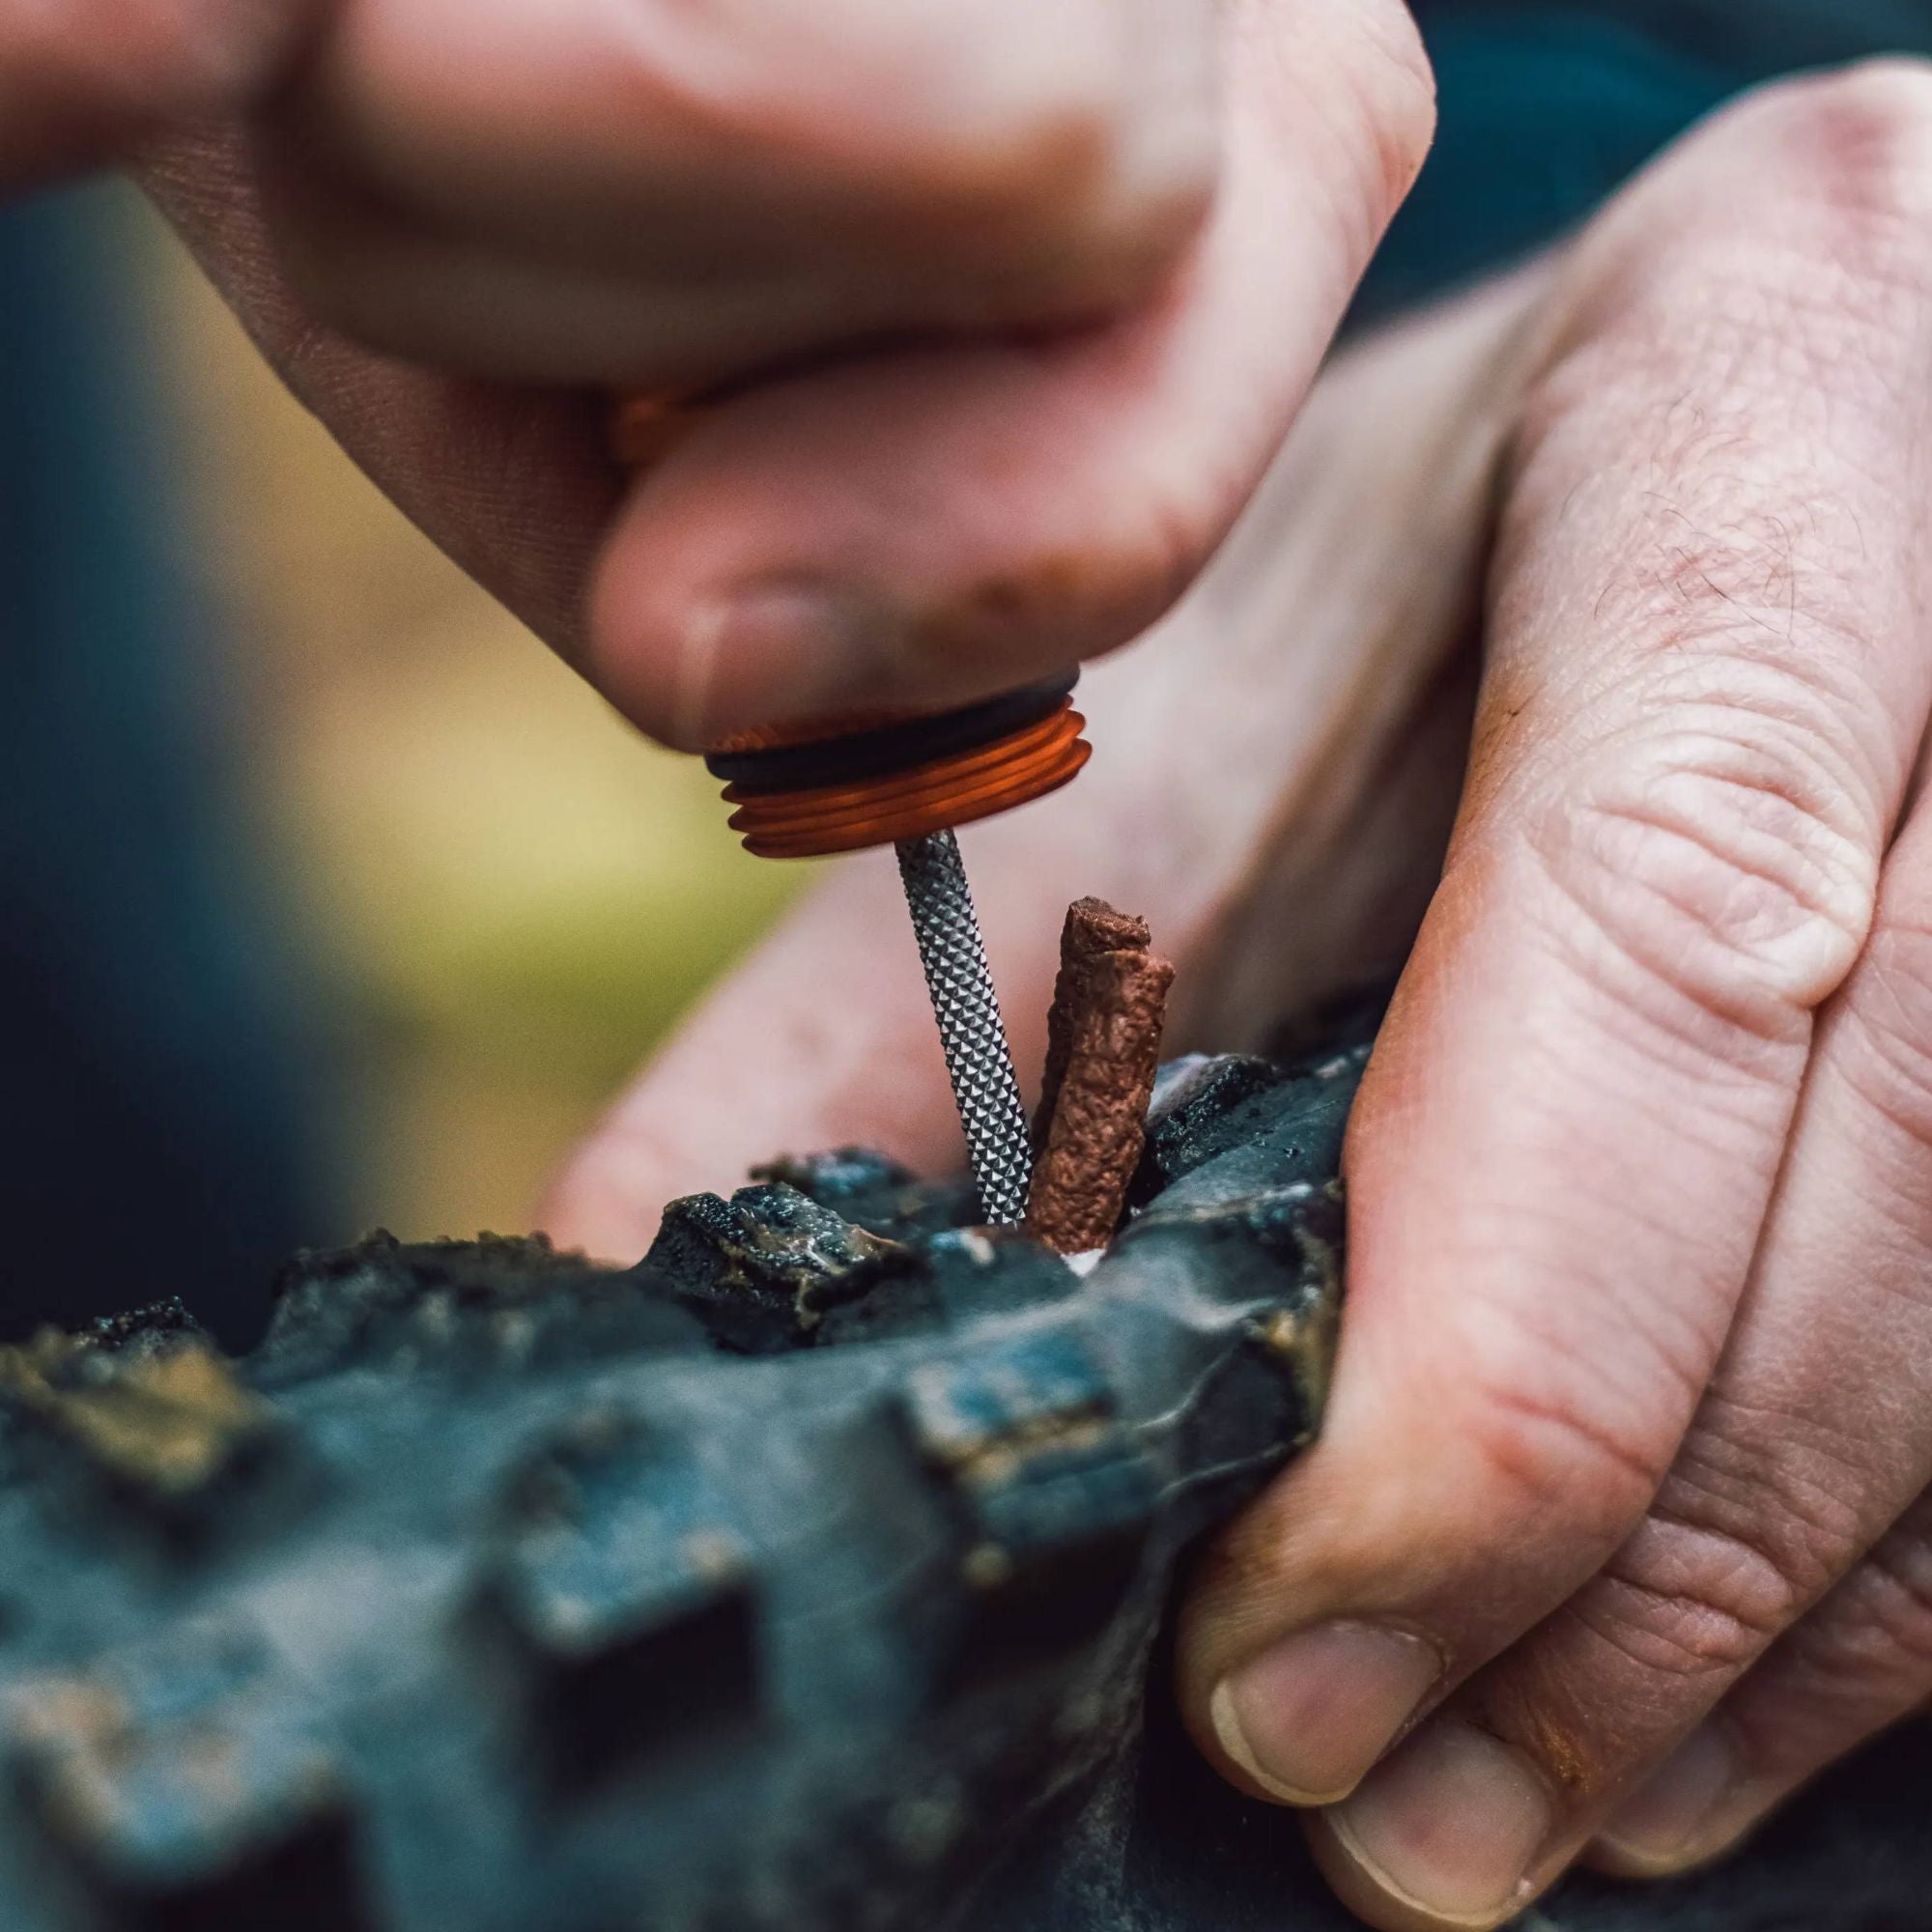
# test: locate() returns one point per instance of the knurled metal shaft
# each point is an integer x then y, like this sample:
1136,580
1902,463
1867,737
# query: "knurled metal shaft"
977,1058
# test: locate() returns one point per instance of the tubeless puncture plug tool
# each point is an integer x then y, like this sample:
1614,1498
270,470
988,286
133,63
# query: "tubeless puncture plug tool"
883,779
908,783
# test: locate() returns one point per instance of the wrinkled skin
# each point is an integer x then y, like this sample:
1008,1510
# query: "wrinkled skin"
1618,1531
1619,1519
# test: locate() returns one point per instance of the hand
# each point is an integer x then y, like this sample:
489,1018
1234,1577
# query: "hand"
1618,1529
1032,373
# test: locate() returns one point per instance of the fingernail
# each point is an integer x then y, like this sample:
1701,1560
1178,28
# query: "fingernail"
773,654
1306,1719
1449,1825
1688,1810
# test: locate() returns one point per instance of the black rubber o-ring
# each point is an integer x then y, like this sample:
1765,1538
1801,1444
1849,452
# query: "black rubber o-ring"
890,748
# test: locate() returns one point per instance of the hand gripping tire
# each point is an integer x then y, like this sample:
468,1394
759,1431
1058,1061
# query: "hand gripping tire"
805,1575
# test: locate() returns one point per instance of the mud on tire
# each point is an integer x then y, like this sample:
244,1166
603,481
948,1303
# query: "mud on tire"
806,1574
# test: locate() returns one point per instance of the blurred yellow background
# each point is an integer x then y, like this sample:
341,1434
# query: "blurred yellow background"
507,895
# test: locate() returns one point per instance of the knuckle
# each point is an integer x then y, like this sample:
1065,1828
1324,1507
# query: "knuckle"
1839,167
1687,1600
1852,142
1058,169
1782,245
1861,136
1042,168
1136,142
1779,1481
1161,553
1245,1564
1725,848
1759,1517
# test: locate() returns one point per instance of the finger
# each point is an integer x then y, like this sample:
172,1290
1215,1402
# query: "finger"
515,484
1061,150
1232,774
81,82
1697,726
1816,1437
1858,1664
929,527
464,302
1811,1440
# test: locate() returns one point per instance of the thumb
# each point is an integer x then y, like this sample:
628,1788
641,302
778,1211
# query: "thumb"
1035,157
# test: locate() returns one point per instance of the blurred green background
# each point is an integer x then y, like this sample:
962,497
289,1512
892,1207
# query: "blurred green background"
506,895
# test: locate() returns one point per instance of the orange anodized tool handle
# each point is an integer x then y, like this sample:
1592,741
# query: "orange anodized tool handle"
861,780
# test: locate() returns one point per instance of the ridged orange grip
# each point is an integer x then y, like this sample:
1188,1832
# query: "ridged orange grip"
926,797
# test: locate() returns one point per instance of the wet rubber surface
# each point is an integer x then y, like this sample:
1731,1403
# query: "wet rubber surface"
806,1575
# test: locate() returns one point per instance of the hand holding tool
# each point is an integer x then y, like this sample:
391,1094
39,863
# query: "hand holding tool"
848,783
908,783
